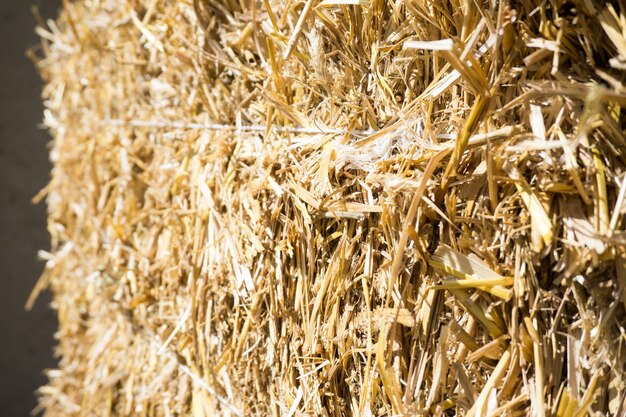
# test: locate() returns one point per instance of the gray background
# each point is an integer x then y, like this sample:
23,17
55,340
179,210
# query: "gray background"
26,338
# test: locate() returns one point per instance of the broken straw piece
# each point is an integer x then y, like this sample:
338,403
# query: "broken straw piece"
472,271
540,222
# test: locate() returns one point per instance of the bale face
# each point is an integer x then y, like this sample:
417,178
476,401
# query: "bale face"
337,207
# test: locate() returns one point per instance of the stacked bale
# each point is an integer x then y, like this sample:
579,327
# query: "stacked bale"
337,207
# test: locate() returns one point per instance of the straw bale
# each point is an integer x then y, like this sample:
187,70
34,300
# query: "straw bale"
336,207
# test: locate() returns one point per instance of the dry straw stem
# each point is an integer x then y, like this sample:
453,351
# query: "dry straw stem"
336,208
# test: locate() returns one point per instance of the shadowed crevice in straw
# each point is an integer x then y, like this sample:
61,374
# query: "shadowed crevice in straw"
342,208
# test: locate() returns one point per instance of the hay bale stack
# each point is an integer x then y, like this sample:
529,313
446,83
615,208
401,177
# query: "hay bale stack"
337,207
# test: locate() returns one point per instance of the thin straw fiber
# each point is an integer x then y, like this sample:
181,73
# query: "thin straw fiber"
336,207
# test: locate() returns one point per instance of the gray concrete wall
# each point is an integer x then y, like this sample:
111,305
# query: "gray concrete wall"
26,338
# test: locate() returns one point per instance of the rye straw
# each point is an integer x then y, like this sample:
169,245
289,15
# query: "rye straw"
337,207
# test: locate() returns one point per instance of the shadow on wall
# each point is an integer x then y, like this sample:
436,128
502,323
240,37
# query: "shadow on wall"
26,338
